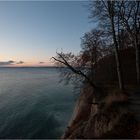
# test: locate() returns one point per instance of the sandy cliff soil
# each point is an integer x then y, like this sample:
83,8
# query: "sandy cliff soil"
108,117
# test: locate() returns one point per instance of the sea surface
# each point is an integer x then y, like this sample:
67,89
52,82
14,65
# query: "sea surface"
33,103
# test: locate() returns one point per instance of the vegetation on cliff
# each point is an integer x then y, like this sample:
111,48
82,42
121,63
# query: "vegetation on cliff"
108,63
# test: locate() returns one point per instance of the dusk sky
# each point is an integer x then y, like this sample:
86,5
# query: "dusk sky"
31,32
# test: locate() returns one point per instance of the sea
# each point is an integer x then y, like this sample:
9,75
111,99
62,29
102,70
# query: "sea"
34,104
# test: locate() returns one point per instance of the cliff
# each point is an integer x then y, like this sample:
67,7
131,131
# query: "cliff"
102,112
110,117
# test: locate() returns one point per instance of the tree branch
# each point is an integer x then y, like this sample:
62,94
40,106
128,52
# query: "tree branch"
79,72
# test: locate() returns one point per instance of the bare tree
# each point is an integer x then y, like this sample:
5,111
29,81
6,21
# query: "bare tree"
70,61
130,19
118,23
107,13
111,11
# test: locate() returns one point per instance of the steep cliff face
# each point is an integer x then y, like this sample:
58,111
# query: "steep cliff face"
107,117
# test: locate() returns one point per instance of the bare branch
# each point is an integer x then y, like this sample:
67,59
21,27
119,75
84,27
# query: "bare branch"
79,72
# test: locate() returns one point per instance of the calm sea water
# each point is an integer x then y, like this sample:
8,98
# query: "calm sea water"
33,103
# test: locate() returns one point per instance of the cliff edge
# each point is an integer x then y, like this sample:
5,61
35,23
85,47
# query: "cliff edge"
109,117
107,112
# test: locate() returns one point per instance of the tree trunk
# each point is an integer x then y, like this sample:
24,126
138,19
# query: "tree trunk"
92,65
119,72
137,47
137,44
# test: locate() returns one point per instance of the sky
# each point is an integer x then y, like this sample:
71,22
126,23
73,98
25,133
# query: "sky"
32,31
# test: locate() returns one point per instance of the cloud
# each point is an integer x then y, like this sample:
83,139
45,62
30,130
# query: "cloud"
20,62
10,62
41,62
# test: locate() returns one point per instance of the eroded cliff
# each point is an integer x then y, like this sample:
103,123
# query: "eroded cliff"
105,116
